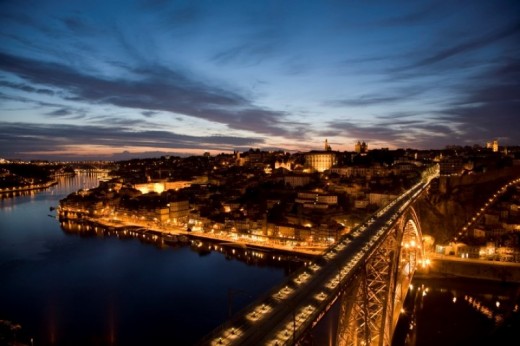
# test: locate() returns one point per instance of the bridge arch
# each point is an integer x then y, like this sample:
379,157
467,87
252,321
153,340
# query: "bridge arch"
367,273
411,247
372,304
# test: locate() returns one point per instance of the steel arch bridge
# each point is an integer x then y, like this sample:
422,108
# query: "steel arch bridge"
372,302
367,272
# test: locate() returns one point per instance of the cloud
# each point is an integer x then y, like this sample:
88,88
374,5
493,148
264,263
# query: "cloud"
421,132
365,100
463,47
390,96
490,104
418,16
365,132
148,114
396,115
157,89
414,73
79,26
60,112
21,139
247,53
487,106
26,88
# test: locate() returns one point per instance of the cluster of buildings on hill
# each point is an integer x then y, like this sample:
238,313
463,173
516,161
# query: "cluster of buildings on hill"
306,199
496,233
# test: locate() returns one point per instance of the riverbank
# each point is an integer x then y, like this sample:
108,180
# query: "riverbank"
78,288
28,187
238,240
450,266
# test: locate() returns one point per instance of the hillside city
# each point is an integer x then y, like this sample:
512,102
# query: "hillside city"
298,202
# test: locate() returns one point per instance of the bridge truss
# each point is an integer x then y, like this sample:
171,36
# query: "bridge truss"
367,272
372,302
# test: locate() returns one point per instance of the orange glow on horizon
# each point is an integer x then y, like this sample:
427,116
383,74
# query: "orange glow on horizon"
107,151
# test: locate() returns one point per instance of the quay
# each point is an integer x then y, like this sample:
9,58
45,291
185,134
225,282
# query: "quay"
28,187
214,237
445,266
441,266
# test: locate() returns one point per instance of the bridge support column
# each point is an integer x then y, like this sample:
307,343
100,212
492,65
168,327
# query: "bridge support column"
367,305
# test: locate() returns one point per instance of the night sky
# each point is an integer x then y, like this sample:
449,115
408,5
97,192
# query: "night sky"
120,79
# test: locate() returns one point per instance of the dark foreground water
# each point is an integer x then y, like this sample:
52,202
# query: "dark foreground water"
460,312
78,287
447,312
67,289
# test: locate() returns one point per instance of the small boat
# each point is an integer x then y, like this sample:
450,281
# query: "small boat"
171,239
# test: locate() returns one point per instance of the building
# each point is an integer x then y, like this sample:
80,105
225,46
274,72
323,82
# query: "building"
327,146
296,180
161,186
493,145
316,200
361,148
284,163
179,212
360,171
451,166
320,161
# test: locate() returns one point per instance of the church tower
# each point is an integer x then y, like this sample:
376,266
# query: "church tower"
327,146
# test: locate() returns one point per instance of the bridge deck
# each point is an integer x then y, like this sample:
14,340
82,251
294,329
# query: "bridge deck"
285,313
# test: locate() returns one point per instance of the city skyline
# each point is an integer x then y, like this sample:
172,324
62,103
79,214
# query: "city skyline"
145,78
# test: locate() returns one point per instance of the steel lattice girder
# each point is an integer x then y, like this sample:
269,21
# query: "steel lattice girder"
370,306
365,305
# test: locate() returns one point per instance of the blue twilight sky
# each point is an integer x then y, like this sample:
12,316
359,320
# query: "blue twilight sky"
112,79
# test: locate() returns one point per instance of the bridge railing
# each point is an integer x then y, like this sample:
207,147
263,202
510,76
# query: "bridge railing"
246,317
237,322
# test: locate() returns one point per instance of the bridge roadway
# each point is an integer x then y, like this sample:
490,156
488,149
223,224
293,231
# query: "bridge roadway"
284,314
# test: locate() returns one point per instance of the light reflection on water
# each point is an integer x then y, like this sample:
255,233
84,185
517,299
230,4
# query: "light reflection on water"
75,286
447,312
203,247
459,312
67,287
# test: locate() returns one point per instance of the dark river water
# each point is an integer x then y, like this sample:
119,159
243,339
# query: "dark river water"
71,287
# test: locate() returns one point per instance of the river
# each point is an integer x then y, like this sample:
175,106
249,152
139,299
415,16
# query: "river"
79,287
67,289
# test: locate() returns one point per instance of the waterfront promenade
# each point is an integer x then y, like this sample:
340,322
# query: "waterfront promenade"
242,240
28,187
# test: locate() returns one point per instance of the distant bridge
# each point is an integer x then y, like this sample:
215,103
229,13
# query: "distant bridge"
91,170
367,272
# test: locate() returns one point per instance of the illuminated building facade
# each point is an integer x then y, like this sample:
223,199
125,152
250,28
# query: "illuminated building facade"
320,161
361,148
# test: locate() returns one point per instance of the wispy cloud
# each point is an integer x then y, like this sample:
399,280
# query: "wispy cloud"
60,112
490,106
26,88
366,100
487,107
158,89
464,46
399,74
148,114
21,139
416,16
